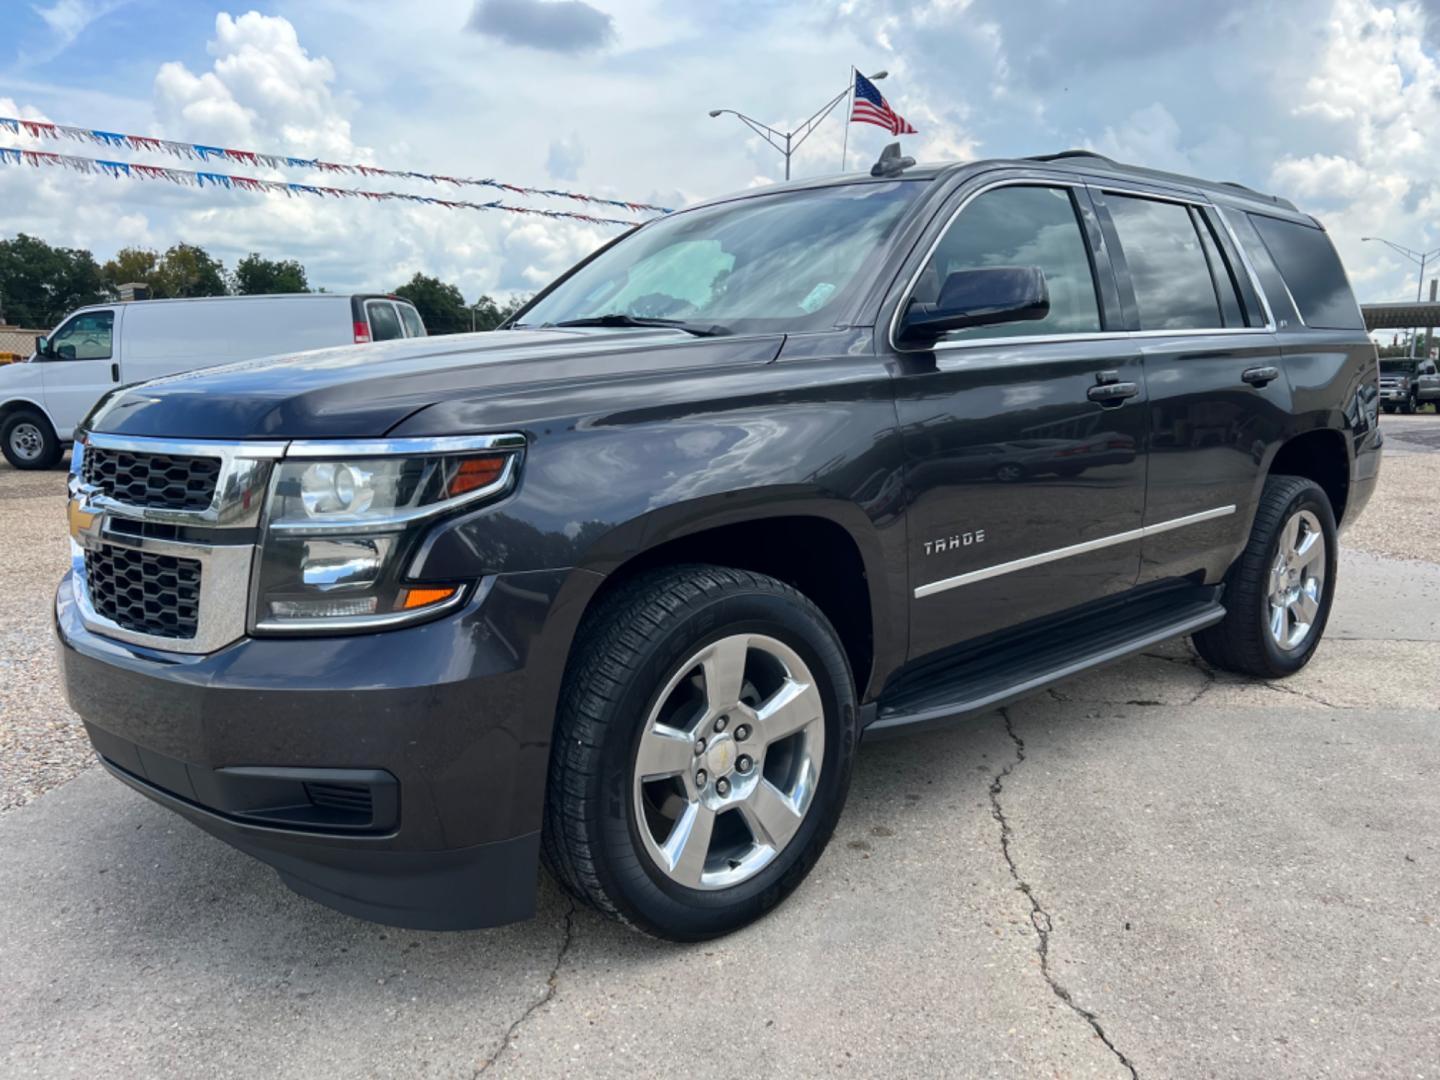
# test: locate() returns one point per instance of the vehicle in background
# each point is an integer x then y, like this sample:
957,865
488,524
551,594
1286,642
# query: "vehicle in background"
1407,382
102,346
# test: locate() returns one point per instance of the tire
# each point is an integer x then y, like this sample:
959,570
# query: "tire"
1247,639
28,441
1408,406
1010,473
637,662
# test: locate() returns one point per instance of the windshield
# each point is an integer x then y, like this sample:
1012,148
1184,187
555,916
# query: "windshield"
772,262
1397,367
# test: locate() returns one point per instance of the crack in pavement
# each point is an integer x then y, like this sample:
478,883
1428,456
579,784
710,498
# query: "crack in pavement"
1199,665
1039,917
551,985
1300,694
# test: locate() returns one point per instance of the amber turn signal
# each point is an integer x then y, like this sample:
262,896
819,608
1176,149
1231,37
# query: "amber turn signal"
410,599
473,473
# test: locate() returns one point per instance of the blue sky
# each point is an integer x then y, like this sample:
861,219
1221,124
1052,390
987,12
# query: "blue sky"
1329,102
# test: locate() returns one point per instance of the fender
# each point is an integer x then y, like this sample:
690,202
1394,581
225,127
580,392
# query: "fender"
10,405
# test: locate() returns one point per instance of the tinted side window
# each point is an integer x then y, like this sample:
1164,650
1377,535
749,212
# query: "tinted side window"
1312,270
1168,270
85,337
411,318
1021,226
384,323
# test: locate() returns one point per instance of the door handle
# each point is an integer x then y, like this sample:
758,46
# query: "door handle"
1111,394
114,372
1259,376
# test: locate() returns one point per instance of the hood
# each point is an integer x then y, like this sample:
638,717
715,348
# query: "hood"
363,391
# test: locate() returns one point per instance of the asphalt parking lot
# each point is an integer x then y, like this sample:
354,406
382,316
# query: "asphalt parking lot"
1152,870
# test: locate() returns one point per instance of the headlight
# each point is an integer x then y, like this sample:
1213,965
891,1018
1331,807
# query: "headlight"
345,518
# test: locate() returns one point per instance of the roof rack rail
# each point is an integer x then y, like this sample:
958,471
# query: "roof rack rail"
1276,199
1071,154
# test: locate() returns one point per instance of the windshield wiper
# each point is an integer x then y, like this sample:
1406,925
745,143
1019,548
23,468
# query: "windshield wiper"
619,318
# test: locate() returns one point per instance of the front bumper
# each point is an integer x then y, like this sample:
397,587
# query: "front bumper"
435,724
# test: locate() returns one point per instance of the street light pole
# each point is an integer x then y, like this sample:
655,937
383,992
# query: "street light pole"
1418,257
787,142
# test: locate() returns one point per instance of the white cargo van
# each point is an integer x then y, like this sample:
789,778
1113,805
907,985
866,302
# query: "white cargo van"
106,345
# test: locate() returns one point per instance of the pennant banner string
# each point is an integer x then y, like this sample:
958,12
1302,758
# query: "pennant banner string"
41,129
195,178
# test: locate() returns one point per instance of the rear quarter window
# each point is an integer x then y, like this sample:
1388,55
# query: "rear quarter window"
1313,273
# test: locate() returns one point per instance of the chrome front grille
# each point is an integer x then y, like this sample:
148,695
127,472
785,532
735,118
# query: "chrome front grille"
164,481
143,592
163,537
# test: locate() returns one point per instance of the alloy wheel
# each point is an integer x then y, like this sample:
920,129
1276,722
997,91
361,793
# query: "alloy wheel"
727,765
1297,580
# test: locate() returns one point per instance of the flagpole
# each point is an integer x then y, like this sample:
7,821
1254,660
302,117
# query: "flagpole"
849,111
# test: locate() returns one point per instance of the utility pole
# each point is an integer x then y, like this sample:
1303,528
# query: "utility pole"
787,142
1420,257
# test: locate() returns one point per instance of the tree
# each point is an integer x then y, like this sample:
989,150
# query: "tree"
131,264
255,274
439,303
41,284
186,270
488,314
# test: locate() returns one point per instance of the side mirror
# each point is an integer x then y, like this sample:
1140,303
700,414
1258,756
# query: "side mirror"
995,294
42,346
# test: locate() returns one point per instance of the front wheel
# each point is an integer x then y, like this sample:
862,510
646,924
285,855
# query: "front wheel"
1278,593
28,441
703,751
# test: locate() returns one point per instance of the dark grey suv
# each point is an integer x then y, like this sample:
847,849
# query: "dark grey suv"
623,586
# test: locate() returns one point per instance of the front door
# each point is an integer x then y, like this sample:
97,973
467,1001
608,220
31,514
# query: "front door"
80,366
1025,442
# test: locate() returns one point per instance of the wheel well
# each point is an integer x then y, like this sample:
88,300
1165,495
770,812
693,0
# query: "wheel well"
813,554
1318,456
9,408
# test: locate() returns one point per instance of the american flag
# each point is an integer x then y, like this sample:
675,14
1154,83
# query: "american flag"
871,108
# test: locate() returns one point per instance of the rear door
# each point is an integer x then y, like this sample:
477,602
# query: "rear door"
1026,483
1218,394
83,364
414,326
384,320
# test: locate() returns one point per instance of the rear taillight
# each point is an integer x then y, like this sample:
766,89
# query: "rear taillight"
362,332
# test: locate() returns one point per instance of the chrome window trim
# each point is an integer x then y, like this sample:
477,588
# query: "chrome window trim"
1066,552
1104,335
1250,271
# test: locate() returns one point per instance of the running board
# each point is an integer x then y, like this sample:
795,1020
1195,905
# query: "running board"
990,678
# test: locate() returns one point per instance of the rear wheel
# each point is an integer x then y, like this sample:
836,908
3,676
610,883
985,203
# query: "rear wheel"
1278,593
703,751
28,441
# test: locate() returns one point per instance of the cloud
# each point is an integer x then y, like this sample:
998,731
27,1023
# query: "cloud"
264,87
67,20
565,158
563,26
